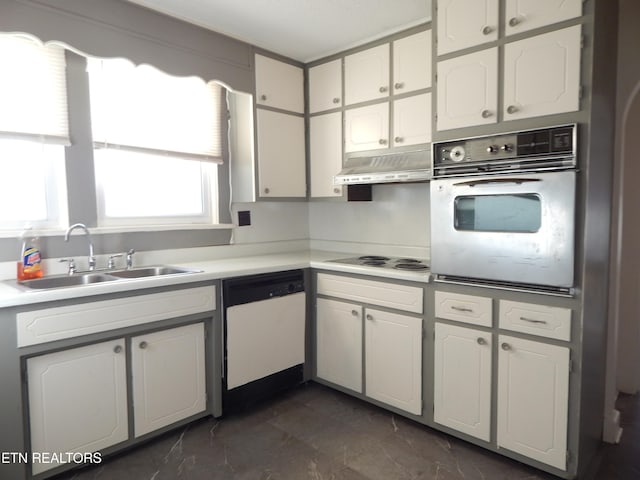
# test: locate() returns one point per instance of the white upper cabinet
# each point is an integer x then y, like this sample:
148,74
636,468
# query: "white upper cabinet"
412,120
366,128
279,84
466,23
325,86
468,90
542,74
367,75
523,15
412,62
325,154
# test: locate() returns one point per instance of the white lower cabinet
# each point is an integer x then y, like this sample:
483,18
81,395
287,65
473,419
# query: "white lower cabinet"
168,376
339,343
393,359
533,393
462,379
77,400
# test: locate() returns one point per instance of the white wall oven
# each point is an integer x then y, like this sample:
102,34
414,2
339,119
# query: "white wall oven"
503,209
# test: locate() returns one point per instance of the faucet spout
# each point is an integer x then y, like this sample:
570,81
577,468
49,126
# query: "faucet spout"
83,227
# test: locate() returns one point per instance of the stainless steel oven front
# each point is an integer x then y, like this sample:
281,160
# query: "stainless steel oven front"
503,209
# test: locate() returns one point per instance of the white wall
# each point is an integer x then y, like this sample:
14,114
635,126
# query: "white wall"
271,222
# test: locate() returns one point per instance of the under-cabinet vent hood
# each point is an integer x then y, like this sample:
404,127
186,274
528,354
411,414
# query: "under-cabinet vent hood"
408,166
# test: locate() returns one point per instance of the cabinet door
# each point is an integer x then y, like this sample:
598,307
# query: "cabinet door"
339,343
412,120
542,74
462,380
366,128
523,15
412,62
393,359
533,392
325,86
168,377
468,90
77,400
325,154
466,23
281,155
279,84
366,75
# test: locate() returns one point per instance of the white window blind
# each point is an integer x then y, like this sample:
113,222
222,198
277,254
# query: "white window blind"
33,99
142,108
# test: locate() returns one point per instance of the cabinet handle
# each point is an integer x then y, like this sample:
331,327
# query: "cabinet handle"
461,309
481,341
336,100
514,21
398,139
383,89
382,141
354,313
512,109
336,190
399,85
263,97
486,113
117,349
143,345
487,30
369,316
506,347
533,320
266,190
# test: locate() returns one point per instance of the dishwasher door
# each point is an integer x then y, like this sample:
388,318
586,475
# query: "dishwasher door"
264,337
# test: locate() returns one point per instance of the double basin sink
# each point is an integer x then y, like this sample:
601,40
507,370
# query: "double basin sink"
88,278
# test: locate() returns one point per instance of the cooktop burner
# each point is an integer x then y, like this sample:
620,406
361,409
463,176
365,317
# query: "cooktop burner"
413,264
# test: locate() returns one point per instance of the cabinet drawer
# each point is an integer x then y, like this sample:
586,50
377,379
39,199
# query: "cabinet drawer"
464,308
551,322
391,295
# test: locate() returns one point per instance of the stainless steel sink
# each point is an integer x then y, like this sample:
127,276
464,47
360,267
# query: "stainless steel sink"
60,281
152,272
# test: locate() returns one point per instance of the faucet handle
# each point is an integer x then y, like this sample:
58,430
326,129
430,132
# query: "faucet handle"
112,263
130,258
72,266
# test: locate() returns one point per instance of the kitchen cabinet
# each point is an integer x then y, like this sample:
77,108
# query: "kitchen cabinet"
168,377
533,393
412,120
468,90
77,400
325,86
542,74
367,75
281,154
412,62
465,23
524,15
366,128
462,379
325,154
534,319
339,343
279,84
393,359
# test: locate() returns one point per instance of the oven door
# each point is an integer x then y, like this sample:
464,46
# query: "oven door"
507,228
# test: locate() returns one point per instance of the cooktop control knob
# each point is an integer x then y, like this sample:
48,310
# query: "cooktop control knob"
457,153
507,147
492,149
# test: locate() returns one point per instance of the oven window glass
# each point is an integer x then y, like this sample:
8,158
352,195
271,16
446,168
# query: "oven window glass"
498,213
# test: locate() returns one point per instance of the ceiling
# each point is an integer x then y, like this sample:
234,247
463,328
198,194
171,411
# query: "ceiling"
304,30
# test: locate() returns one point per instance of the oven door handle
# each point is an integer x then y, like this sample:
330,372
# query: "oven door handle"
489,181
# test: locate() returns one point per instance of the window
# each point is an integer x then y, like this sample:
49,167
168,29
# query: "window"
33,133
157,143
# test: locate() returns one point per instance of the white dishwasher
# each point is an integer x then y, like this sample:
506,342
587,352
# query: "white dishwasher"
264,336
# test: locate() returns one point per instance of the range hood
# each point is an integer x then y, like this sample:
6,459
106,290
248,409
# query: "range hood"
393,167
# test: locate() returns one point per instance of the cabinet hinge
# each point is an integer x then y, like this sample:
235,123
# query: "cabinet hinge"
568,456
580,92
570,366
24,373
583,40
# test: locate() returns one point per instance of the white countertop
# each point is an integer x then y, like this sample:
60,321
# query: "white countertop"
11,294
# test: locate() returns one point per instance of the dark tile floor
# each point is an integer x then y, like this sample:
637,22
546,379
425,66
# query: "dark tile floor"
316,433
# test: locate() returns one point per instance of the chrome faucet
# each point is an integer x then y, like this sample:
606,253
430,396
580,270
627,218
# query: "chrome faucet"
92,258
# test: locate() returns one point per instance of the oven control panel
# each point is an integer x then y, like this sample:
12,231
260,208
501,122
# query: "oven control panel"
545,148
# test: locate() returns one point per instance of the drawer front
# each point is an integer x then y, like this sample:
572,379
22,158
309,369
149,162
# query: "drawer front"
49,324
391,295
550,322
463,308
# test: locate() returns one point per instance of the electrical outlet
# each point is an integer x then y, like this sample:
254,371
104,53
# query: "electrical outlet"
244,218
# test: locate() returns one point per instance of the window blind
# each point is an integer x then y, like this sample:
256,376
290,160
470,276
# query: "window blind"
33,93
142,108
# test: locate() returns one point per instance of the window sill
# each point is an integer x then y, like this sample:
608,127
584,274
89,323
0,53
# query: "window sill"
123,229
